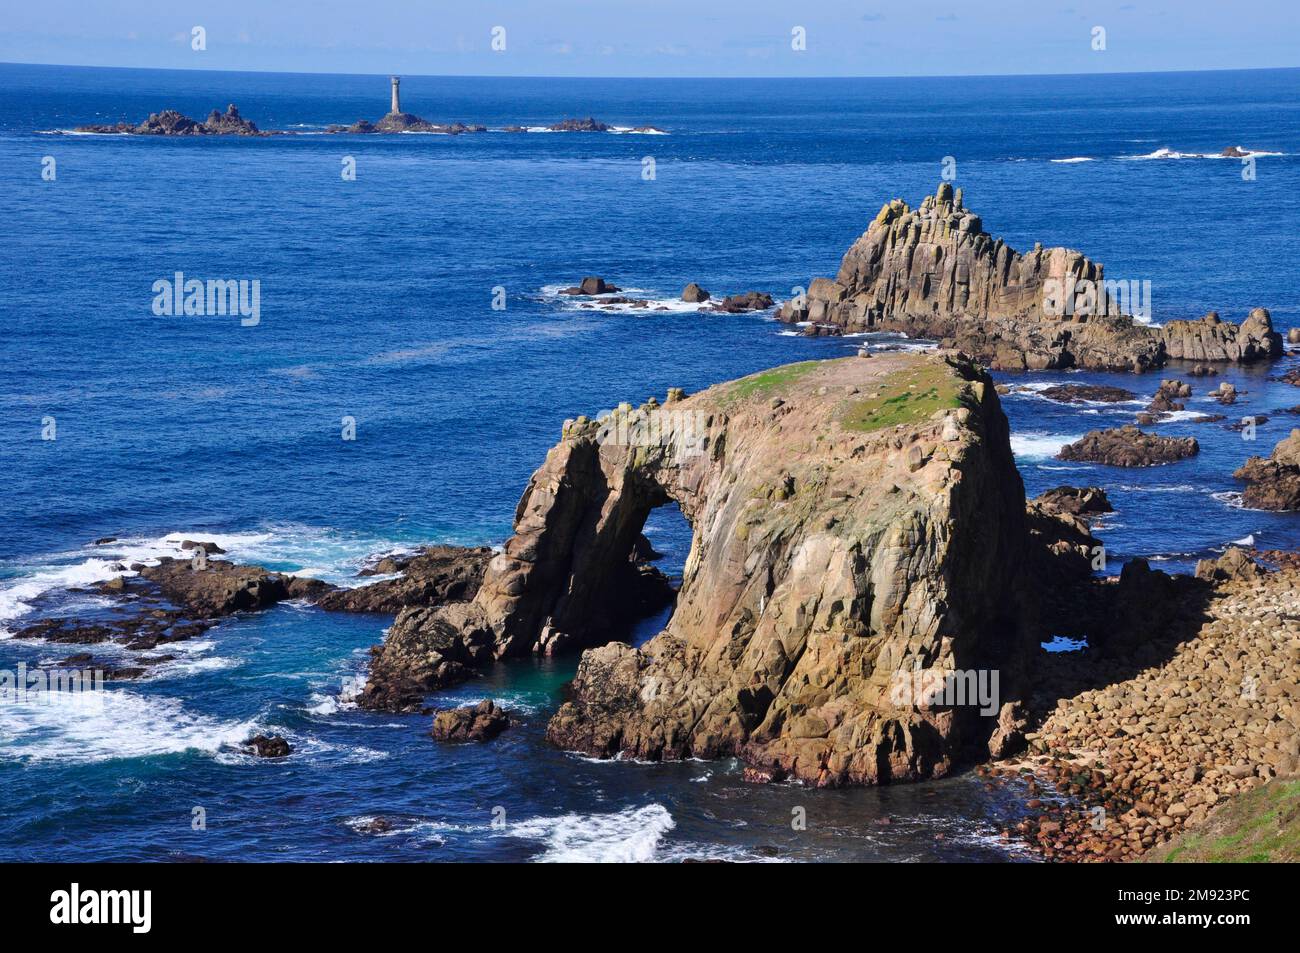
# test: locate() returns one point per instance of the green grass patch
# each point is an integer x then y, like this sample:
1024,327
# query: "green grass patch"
908,397
768,383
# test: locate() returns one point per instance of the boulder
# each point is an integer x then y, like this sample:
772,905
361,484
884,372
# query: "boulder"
268,747
481,722
1235,564
748,301
1129,447
694,293
1074,501
1169,397
592,286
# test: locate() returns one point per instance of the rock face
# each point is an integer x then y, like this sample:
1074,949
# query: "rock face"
481,722
857,528
933,272
171,123
435,575
1273,482
1129,447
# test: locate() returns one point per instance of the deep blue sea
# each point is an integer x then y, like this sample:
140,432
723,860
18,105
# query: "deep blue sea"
376,302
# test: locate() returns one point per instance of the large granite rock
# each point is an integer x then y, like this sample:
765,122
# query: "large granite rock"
933,272
1129,447
857,525
1273,482
481,722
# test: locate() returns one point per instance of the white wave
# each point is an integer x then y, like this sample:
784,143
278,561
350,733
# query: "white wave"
1230,498
1039,446
112,724
1248,540
1166,153
1162,488
17,594
1074,159
628,836
332,556
656,301
1176,416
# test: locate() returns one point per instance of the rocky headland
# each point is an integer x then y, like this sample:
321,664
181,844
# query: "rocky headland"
933,272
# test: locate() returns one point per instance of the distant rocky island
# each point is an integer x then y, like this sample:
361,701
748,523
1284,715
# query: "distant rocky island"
933,272
169,122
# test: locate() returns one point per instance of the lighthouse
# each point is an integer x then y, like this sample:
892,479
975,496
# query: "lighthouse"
397,105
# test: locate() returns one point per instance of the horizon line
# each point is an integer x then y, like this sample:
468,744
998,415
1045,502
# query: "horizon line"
190,69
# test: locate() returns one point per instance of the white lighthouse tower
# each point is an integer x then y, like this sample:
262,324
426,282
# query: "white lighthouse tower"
397,104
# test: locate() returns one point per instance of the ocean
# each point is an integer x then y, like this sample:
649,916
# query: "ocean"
376,304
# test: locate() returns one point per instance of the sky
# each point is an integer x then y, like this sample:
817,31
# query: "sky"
665,38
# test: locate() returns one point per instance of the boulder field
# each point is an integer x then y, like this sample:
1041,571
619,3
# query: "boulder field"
933,272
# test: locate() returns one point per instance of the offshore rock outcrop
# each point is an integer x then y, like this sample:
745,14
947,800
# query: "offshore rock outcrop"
169,122
432,576
854,522
404,122
933,272
859,530
1273,482
1129,447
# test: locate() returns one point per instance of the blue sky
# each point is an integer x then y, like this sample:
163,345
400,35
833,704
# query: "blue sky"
657,37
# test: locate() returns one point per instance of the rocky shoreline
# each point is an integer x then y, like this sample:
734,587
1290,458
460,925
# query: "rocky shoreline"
1192,703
